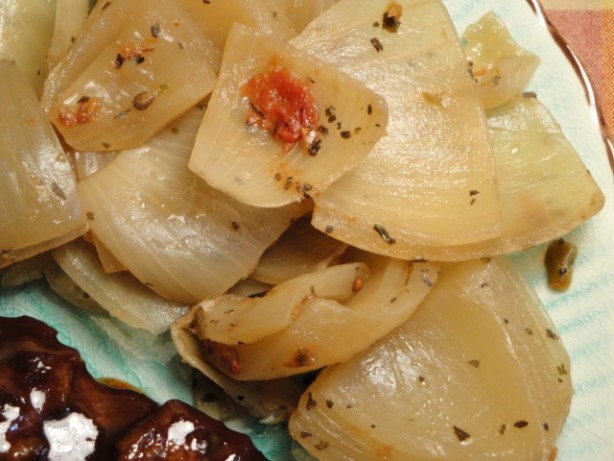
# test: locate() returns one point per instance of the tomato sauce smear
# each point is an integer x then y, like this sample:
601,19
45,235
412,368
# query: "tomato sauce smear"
283,105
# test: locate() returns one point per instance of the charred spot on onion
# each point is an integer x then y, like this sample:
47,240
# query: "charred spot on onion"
377,44
311,403
521,424
391,19
551,334
474,363
383,233
460,434
314,147
321,445
119,61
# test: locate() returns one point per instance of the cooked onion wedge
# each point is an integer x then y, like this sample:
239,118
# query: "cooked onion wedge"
245,161
300,250
176,234
546,190
499,66
323,330
39,208
137,66
431,181
478,372
272,400
233,320
121,295
26,27
216,18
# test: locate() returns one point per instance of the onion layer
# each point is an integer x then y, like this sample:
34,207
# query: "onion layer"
176,234
431,181
39,208
322,330
478,372
330,123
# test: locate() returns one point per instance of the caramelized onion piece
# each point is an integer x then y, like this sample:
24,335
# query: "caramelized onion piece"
324,328
478,372
271,400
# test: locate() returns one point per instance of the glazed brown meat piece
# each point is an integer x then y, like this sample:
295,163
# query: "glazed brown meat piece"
50,404
179,432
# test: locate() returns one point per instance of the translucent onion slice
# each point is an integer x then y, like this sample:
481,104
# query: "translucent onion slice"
137,66
300,250
176,234
88,163
326,331
500,67
273,400
233,320
478,372
546,190
70,16
215,19
109,262
246,162
26,27
39,208
302,12
121,295
431,181
67,289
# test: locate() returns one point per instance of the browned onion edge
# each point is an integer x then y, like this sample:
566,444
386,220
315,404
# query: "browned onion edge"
589,91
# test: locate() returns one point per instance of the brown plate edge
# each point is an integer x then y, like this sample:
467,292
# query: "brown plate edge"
580,70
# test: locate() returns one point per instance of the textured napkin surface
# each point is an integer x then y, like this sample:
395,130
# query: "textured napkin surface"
588,27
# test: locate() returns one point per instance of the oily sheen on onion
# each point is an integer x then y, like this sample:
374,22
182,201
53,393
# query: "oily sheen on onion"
39,208
478,372
120,294
215,19
234,154
498,65
431,181
136,66
324,325
177,235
